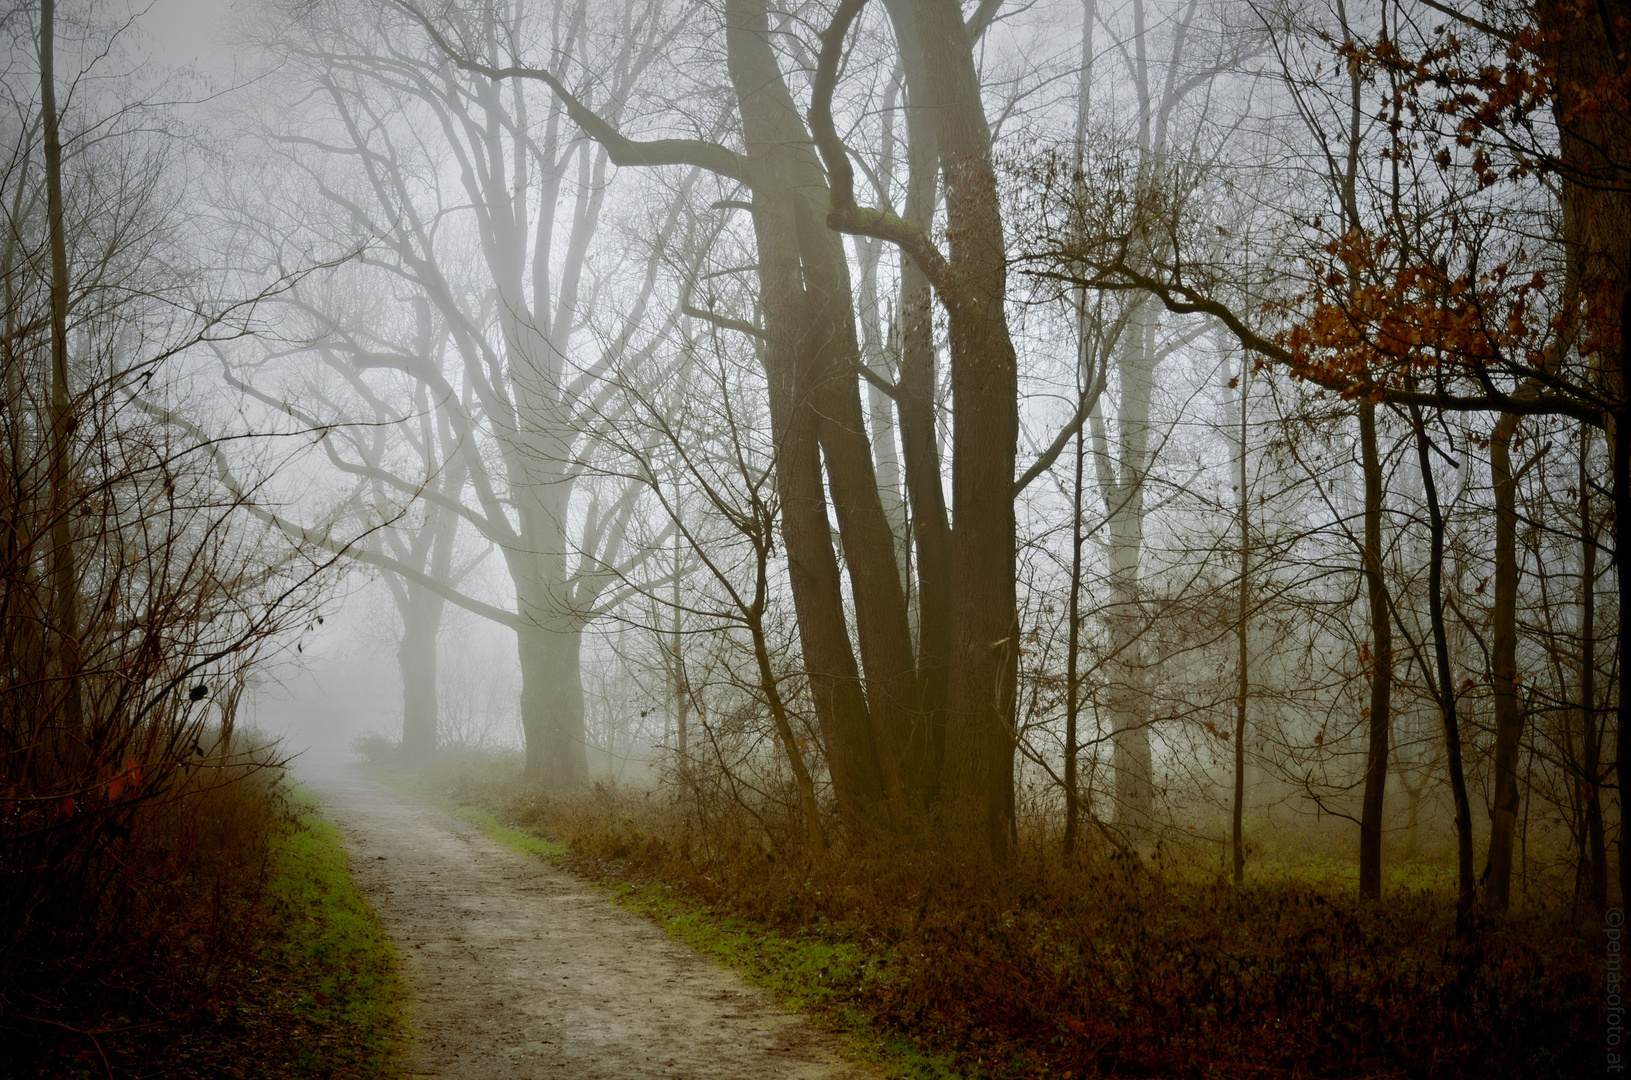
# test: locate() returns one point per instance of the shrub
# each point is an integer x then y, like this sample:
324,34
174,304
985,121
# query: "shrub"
131,914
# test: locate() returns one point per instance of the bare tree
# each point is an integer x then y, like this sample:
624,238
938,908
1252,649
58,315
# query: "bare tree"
513,306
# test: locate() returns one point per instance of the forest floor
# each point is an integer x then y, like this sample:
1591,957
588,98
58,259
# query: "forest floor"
515,969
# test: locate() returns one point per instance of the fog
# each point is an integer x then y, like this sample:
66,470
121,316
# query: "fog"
1150,421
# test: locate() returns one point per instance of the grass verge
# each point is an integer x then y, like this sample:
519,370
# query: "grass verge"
329,970
321,998
301,985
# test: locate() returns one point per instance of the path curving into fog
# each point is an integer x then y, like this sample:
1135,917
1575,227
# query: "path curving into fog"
519,972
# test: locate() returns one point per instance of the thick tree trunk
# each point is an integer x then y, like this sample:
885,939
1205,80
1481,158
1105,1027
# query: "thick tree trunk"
1588,45
810,318
416,658
978,787
882,628
1504,669
552,705
1381,689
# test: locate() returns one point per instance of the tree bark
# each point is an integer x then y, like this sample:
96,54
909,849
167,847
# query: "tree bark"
1121,483
841,706
416,658
64,576
809,312
552,704
1381,689
1504,669
920,445
1590,48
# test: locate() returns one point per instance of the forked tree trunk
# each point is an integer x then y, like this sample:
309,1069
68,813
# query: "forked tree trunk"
841,706
978,789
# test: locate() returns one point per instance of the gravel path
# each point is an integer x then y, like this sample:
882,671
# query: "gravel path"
519,972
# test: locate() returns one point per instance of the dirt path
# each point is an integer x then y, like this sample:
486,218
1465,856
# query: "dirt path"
519,971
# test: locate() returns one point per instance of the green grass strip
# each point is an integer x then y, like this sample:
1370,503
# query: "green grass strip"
524,842
332,953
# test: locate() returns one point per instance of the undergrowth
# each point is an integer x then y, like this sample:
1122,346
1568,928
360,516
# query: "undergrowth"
249,955
1094,970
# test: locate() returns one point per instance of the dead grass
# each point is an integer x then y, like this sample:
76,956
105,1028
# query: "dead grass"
1106,969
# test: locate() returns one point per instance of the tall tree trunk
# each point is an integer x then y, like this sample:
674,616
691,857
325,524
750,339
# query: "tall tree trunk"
1381,690
1593,851
1504,668
64,576
1588,46
681,686
1237,829
984,377
1620,436
1073,643
1446,680
1121,482
813,302
920,444
1084,370
882,629
841,707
